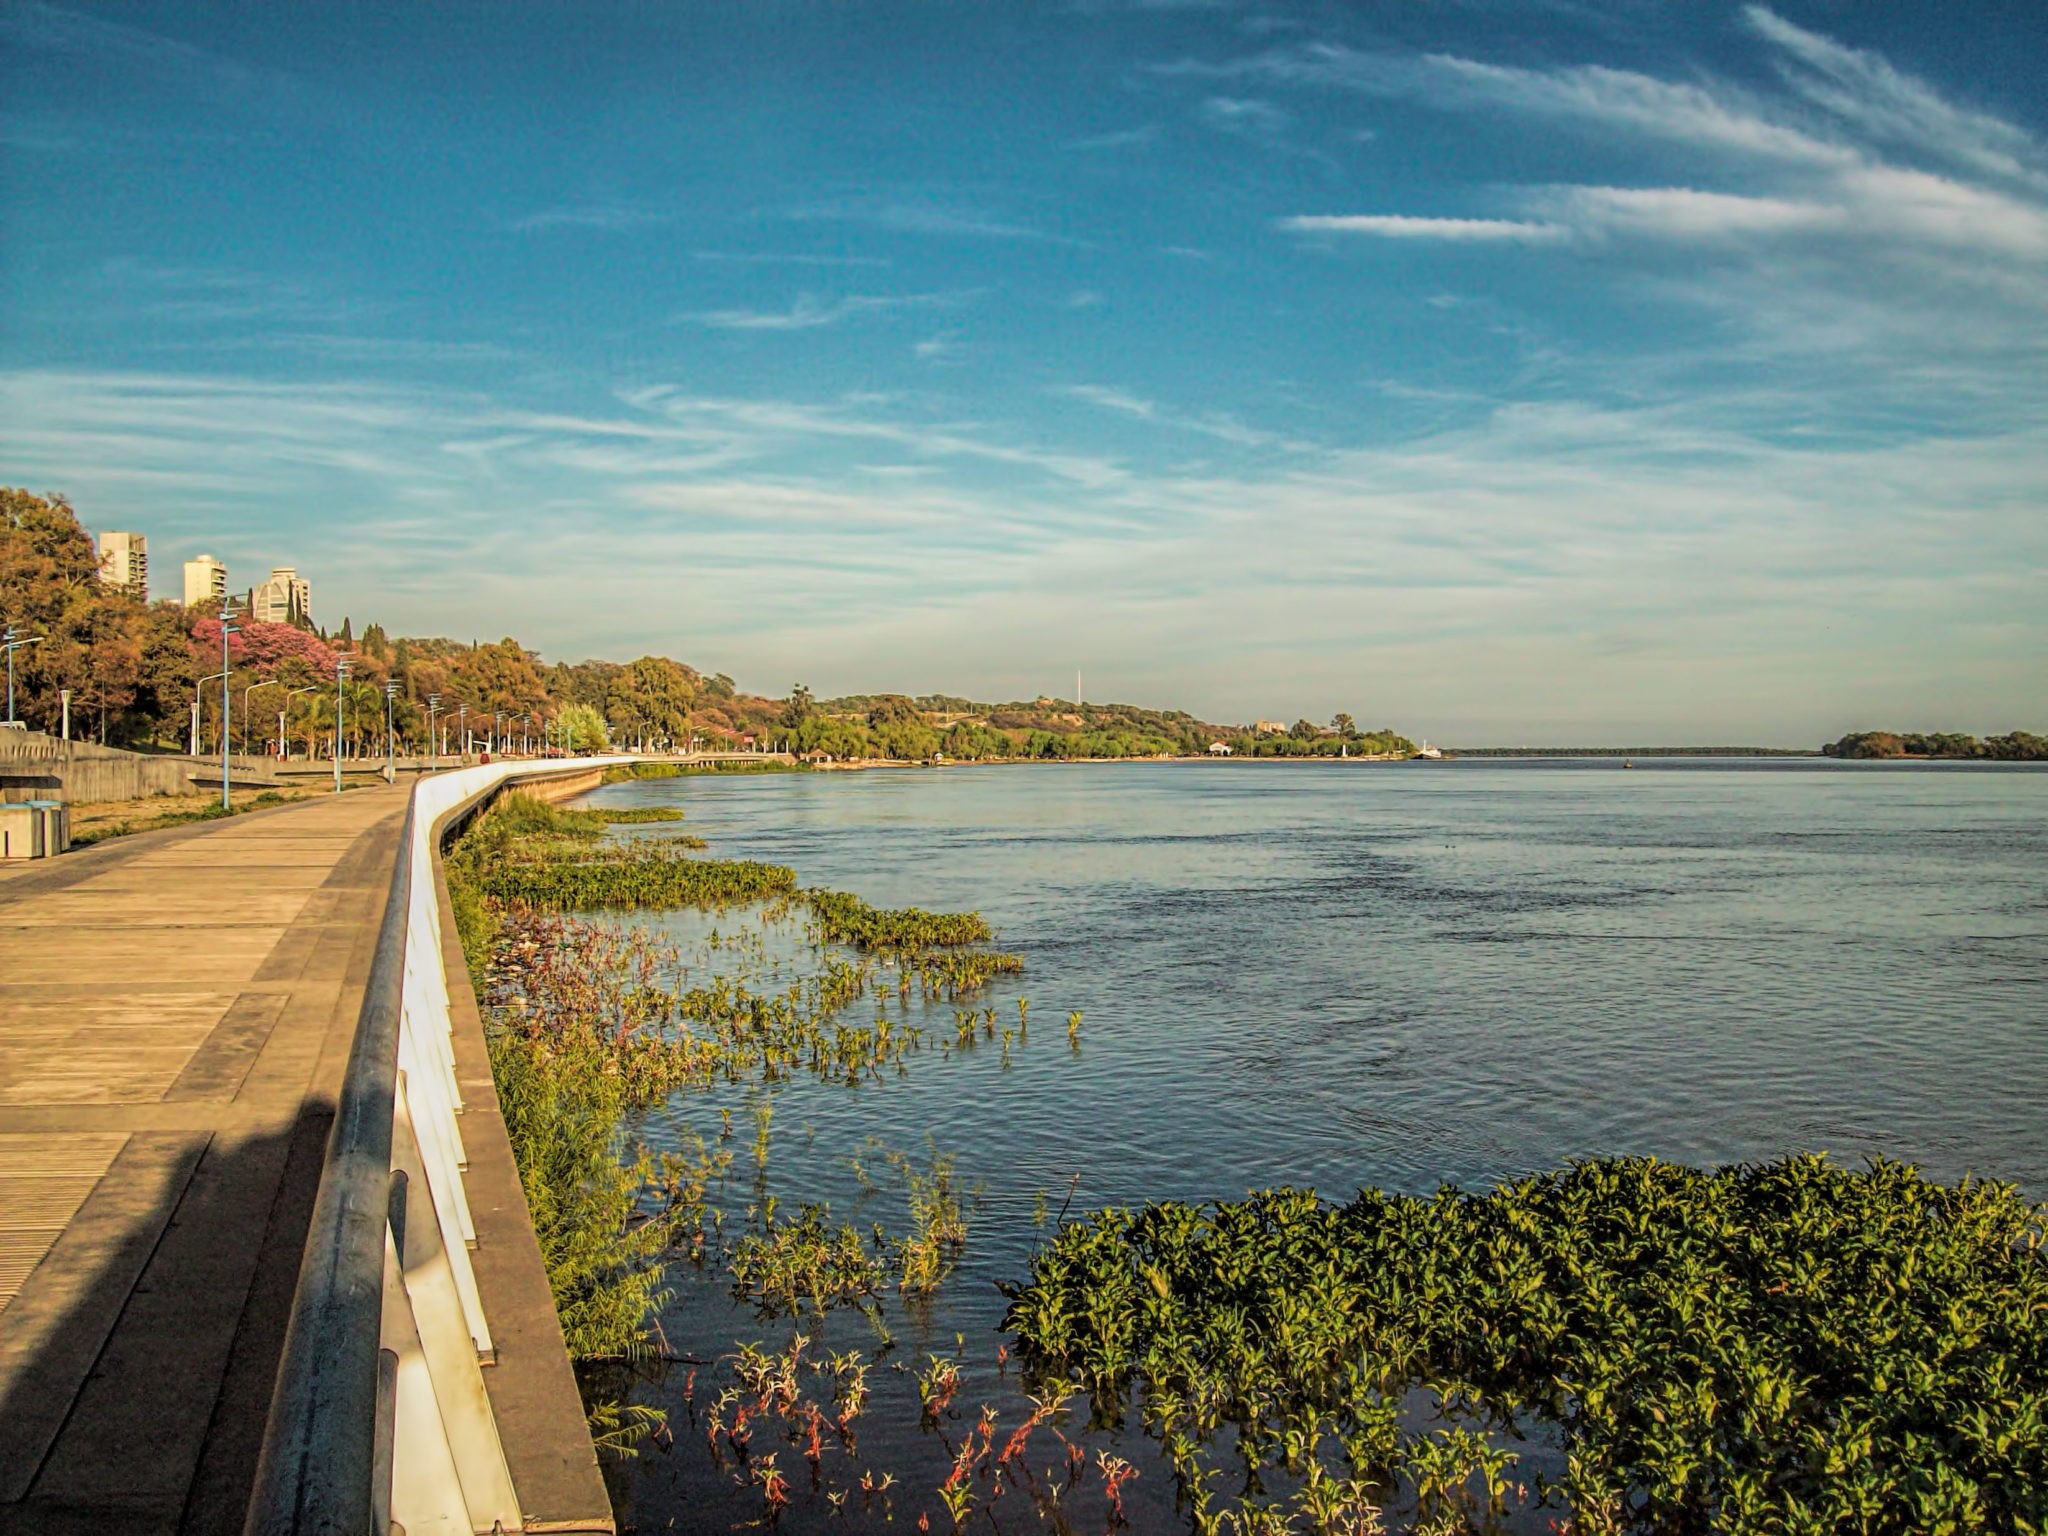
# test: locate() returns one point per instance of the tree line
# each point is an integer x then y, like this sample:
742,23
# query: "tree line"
147,676
2013,747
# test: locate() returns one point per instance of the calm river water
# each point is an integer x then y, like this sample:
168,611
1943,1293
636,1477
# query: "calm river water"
1333,975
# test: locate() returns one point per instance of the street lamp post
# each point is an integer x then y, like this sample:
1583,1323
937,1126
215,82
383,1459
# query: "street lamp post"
462,729
284,750
199,692
341,664
248,718
433,741
226,714
10,639
390,739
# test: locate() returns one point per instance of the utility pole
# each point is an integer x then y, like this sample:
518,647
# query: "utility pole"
65,695
226,629
10,639
340,677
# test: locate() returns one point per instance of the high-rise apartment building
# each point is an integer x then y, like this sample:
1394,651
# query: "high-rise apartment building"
287,598
124,562
206,582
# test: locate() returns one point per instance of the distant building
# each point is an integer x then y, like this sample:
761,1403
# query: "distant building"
287,598
1268,728
206,582
124,562
1220,749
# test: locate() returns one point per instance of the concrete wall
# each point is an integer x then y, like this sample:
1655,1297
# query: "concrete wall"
37,766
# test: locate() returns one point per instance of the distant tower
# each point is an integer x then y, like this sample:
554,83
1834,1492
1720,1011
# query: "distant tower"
206,582
1077,687
124,562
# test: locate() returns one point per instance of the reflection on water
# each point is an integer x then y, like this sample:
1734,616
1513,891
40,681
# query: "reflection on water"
1339,974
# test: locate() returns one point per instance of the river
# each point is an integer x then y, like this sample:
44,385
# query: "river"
1335,974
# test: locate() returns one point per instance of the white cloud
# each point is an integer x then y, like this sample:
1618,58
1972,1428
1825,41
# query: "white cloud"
1215,424
1399,226
1123,138
1685,212
1618,570
1245,116
1866,90
809,313
613,218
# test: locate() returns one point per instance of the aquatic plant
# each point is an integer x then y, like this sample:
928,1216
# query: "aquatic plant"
1789,1346
846,919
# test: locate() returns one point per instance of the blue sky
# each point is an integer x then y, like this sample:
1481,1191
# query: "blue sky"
1531,372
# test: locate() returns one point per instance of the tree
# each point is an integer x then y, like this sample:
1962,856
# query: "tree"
1342,724
894,709
798,709
50,591
652,696
1302,730
582,728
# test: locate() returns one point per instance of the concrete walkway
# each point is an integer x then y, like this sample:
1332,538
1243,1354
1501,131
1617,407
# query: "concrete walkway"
175,1013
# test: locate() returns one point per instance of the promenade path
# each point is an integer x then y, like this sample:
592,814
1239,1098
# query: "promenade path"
176,1010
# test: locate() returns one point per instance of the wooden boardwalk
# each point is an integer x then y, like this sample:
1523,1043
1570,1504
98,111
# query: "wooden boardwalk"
175,1012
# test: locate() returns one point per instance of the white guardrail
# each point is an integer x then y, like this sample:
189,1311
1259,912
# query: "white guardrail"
381,1421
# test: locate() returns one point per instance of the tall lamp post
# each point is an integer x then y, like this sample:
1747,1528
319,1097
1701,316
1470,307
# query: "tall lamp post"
198,693
11,639
227,718
390,739
433,741
284,747
341,664
462,730
249,719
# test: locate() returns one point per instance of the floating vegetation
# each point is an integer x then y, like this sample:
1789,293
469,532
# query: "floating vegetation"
849,920
626,773
634,875
635,815
808,1260
1773,1348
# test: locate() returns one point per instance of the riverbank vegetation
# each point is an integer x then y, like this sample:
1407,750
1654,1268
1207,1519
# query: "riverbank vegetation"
2013,747
590,1024
1775,1348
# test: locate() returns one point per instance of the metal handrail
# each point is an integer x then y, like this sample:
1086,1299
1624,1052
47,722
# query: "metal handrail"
373,1311
319,1461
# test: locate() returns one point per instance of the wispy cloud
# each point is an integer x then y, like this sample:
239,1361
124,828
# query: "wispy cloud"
1398,226
1623,549
1122,138
1246,117
1595,94
1683,213
790,259
809,313
611,218
923,218
1799,179
1217,425
1863,89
